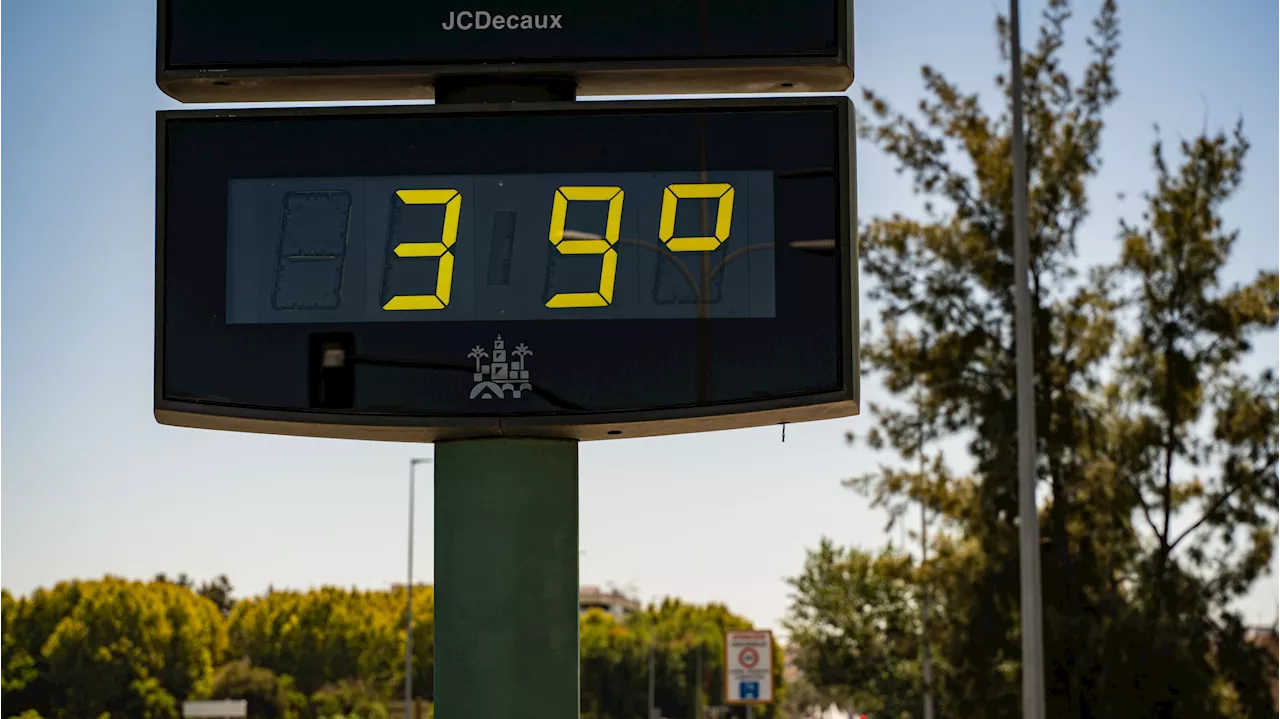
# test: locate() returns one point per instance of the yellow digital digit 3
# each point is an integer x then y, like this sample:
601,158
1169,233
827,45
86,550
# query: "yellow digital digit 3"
452,201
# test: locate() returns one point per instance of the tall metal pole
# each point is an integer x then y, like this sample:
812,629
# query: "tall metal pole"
927,658
408,628
926,653
651,663
1029,544
697,686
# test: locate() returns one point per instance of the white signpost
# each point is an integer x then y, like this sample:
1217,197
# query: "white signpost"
218,709
748,667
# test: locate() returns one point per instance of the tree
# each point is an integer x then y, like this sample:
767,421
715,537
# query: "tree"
946,291
855,624
613,664
803,699
111,646
685,636
269,695
1133,361
350,699
614,658
135,649
182,580
424,637
219,592
18,665
324,636
1206,499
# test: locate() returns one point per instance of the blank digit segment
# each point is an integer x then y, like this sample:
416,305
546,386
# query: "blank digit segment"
311,250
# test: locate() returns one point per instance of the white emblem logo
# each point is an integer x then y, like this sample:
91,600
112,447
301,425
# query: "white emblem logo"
498,376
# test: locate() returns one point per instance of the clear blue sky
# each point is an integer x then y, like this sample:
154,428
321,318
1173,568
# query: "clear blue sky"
94,485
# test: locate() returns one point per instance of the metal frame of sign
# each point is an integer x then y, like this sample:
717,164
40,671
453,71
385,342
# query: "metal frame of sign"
772,687
830,73
603,425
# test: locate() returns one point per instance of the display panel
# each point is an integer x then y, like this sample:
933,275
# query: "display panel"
384,32
500,247
249,50
244,194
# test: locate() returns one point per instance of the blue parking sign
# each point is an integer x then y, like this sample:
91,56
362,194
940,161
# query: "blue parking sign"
748,690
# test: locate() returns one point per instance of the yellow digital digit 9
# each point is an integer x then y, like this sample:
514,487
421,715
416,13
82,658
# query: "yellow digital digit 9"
452,201
609,261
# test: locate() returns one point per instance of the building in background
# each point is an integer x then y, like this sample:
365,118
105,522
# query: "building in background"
613,602
790,672
1267,638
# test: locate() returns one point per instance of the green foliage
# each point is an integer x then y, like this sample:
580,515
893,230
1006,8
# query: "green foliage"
109,646
132,649
17,665
328,635
269,695
182,580
118,648
802,698
1157,451
613,668
684,638
349,699
855,623
424,637
218,591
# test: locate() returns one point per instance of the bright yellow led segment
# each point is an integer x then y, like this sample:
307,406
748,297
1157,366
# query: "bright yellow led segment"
609,261
707,191
452,201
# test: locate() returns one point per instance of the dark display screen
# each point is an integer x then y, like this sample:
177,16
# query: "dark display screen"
231,33
302,274
604,246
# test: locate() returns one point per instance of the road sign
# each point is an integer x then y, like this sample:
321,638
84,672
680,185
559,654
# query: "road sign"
248,50
589,270
216,709
748,674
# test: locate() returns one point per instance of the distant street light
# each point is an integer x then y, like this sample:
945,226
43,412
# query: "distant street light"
1031,607
653,712
408,628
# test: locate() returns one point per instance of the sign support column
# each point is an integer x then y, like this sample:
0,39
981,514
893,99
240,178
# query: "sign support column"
506,536
506,579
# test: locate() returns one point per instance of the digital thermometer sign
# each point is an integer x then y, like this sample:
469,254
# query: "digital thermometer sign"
585,270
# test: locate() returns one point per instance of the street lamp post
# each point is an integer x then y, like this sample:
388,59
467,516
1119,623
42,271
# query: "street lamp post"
408,628
1029,534
652,713
926,650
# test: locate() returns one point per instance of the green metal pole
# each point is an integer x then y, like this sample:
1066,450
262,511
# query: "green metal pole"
506,579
